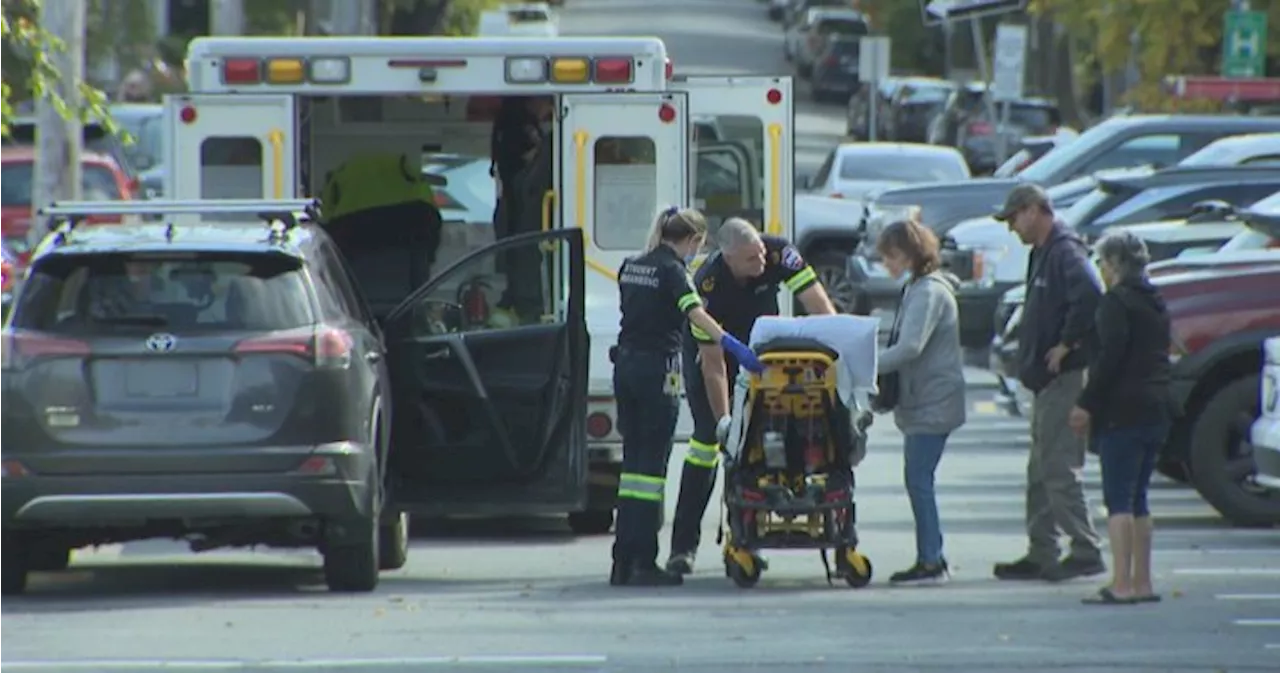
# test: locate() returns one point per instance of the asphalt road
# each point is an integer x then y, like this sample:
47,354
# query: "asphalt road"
527,596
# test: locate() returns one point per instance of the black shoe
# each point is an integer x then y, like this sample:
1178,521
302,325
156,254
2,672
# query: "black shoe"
681,564
922,574
1075,566
619,574
1022,569
651,576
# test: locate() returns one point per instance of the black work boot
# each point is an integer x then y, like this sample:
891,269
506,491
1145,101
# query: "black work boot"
1023,569
681,564
1074,566
619,574
651,576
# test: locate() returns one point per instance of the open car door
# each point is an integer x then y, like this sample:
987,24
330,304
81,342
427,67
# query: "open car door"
489,372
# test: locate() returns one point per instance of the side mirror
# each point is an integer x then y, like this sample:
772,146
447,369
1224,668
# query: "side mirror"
1212,210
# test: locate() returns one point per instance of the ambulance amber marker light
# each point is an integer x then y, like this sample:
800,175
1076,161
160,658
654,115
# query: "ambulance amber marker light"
286,71
241,71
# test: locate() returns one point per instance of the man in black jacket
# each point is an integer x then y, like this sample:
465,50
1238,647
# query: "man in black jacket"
1053,350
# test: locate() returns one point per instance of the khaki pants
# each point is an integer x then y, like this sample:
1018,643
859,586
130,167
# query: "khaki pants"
1056,504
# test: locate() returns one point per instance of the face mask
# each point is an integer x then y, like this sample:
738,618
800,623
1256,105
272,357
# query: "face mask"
688,259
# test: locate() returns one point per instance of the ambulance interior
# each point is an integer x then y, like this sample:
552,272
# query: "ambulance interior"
446,141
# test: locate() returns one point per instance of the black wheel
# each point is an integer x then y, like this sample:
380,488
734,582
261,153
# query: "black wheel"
352,566
743,567
17,564
393,543
854,567
833,273
49,558
591,522
1221,461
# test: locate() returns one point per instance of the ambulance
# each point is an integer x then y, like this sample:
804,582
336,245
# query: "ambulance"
271,117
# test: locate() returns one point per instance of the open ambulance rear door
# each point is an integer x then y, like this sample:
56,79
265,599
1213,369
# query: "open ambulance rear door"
230,146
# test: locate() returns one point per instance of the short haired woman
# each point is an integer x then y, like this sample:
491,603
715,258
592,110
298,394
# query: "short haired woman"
927,358
1125,406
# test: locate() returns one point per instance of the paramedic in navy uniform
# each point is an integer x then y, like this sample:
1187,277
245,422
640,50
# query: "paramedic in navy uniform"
738,284
657,296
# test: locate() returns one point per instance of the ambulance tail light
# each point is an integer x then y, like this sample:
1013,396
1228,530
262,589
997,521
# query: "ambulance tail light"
670,69
330,70
241,71
614,71
526,70
599,425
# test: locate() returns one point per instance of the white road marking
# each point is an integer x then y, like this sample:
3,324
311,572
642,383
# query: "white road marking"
1268,572
1271,646
1248,597
1265,551
1257,622
306,664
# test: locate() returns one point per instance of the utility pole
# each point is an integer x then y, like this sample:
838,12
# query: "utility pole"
226,17
59,138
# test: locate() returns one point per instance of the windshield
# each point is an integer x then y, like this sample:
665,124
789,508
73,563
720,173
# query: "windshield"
1081,209
1058,158
853,27
902,168
925,94
147,147
1031,117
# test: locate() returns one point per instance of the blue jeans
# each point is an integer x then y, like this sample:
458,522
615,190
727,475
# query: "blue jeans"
1128,458
922,454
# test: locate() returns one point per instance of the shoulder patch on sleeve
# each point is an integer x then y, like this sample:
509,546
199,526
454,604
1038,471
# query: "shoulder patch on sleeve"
791,258
708,283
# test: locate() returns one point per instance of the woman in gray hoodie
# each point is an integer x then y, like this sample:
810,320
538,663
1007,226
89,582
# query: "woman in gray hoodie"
927,358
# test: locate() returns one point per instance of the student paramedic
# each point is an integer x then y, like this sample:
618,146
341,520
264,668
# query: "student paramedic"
657,295
738,284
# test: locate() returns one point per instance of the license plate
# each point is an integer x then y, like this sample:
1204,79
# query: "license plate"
161,379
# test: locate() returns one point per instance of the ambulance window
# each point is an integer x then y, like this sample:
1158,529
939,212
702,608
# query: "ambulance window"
747,133
231,168
625,191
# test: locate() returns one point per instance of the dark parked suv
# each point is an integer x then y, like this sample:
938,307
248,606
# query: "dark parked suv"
228,384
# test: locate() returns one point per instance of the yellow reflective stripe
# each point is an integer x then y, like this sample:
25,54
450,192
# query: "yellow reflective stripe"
806,276
641,487
699,333
688,301
702,454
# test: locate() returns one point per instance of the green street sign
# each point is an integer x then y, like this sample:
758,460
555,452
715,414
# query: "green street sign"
1244,44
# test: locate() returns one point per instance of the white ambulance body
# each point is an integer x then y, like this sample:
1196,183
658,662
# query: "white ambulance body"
270,117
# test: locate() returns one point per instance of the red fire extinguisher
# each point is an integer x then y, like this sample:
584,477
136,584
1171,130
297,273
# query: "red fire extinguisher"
474,302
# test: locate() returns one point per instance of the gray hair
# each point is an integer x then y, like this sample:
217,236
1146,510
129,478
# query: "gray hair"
1125,252
734,233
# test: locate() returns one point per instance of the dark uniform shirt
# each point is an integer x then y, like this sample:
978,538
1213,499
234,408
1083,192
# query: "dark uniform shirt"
656,294
736,305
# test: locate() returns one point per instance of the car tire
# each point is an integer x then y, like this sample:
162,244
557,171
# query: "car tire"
17,565
352,566
832,269
591,522
1214,430
393,543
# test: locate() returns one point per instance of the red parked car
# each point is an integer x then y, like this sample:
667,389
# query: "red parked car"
101,179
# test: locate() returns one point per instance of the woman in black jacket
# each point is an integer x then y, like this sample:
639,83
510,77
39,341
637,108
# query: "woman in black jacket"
1125,405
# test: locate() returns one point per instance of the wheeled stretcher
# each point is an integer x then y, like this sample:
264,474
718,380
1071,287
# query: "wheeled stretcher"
798,431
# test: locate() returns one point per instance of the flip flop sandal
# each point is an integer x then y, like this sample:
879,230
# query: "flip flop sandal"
1106,597
1151,598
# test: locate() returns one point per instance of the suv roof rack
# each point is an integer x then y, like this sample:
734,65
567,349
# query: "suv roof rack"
280,214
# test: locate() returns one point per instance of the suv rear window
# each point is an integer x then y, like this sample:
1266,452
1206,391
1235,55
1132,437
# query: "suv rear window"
850,27
179,292
1035,118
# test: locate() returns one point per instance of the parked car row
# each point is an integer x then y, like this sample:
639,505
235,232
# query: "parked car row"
821,38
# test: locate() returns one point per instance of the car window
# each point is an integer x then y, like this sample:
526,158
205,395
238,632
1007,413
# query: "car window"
180,292
1266,160
1175,203
1036,118
923,94
1085,208
824,171
1157,150
905,168
842,26
97,183
148,139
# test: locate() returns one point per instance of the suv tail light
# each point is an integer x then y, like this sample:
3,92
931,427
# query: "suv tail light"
21,346
979,128
831,61
327,347
6,275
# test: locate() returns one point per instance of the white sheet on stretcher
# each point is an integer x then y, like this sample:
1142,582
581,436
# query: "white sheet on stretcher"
852,337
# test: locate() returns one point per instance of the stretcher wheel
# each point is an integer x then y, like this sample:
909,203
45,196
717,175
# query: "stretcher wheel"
743,567
854,567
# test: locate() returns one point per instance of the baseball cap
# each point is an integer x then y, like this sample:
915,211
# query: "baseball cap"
1021,197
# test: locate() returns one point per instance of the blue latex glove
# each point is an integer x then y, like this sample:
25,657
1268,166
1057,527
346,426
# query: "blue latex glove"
744,355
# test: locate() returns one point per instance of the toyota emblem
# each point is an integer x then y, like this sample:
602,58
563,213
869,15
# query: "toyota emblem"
161,343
